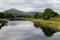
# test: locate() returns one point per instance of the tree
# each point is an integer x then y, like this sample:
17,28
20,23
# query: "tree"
1,15
48,13
8,15
36,15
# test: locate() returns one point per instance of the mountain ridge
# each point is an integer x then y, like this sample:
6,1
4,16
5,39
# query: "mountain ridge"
16,12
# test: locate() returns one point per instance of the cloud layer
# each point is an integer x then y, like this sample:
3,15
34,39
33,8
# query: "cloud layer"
30,5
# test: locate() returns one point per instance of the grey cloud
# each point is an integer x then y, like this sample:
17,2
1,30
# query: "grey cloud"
34,5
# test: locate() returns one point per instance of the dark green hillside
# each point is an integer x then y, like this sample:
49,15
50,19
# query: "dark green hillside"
17,13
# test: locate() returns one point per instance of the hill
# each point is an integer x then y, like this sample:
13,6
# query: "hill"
16,12
20,13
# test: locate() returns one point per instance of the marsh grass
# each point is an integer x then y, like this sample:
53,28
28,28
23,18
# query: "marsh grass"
53,23
3,20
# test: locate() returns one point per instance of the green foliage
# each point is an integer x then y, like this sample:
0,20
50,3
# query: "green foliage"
6,15
1,15
37,15
48,13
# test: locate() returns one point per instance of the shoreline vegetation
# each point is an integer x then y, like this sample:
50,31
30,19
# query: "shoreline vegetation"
53,25
3,20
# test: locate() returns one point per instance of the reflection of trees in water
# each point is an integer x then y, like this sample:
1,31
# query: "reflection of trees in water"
3,24
47,31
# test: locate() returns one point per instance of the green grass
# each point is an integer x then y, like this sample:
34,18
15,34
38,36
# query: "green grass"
57,19
53,23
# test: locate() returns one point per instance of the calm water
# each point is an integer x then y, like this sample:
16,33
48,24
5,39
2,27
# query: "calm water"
24,30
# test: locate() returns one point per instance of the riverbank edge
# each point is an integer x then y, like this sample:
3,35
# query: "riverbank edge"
53,25
44,23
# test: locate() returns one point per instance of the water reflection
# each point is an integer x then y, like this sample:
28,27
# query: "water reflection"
24,30
3,24
47,31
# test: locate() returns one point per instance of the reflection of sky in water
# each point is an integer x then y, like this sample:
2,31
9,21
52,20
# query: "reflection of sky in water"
24,30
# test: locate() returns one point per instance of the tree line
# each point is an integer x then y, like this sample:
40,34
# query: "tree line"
47,14
5,15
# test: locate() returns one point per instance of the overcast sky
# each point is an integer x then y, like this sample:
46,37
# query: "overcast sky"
30,5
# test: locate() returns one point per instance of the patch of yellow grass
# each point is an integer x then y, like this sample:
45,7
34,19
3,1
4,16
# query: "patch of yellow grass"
2,20
51,23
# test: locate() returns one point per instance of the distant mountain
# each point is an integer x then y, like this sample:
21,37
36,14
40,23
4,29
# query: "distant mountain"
16,12
35,13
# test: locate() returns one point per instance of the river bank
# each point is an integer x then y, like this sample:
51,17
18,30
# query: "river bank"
53,25
3,20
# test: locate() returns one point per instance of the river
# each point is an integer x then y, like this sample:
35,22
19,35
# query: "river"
24,30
